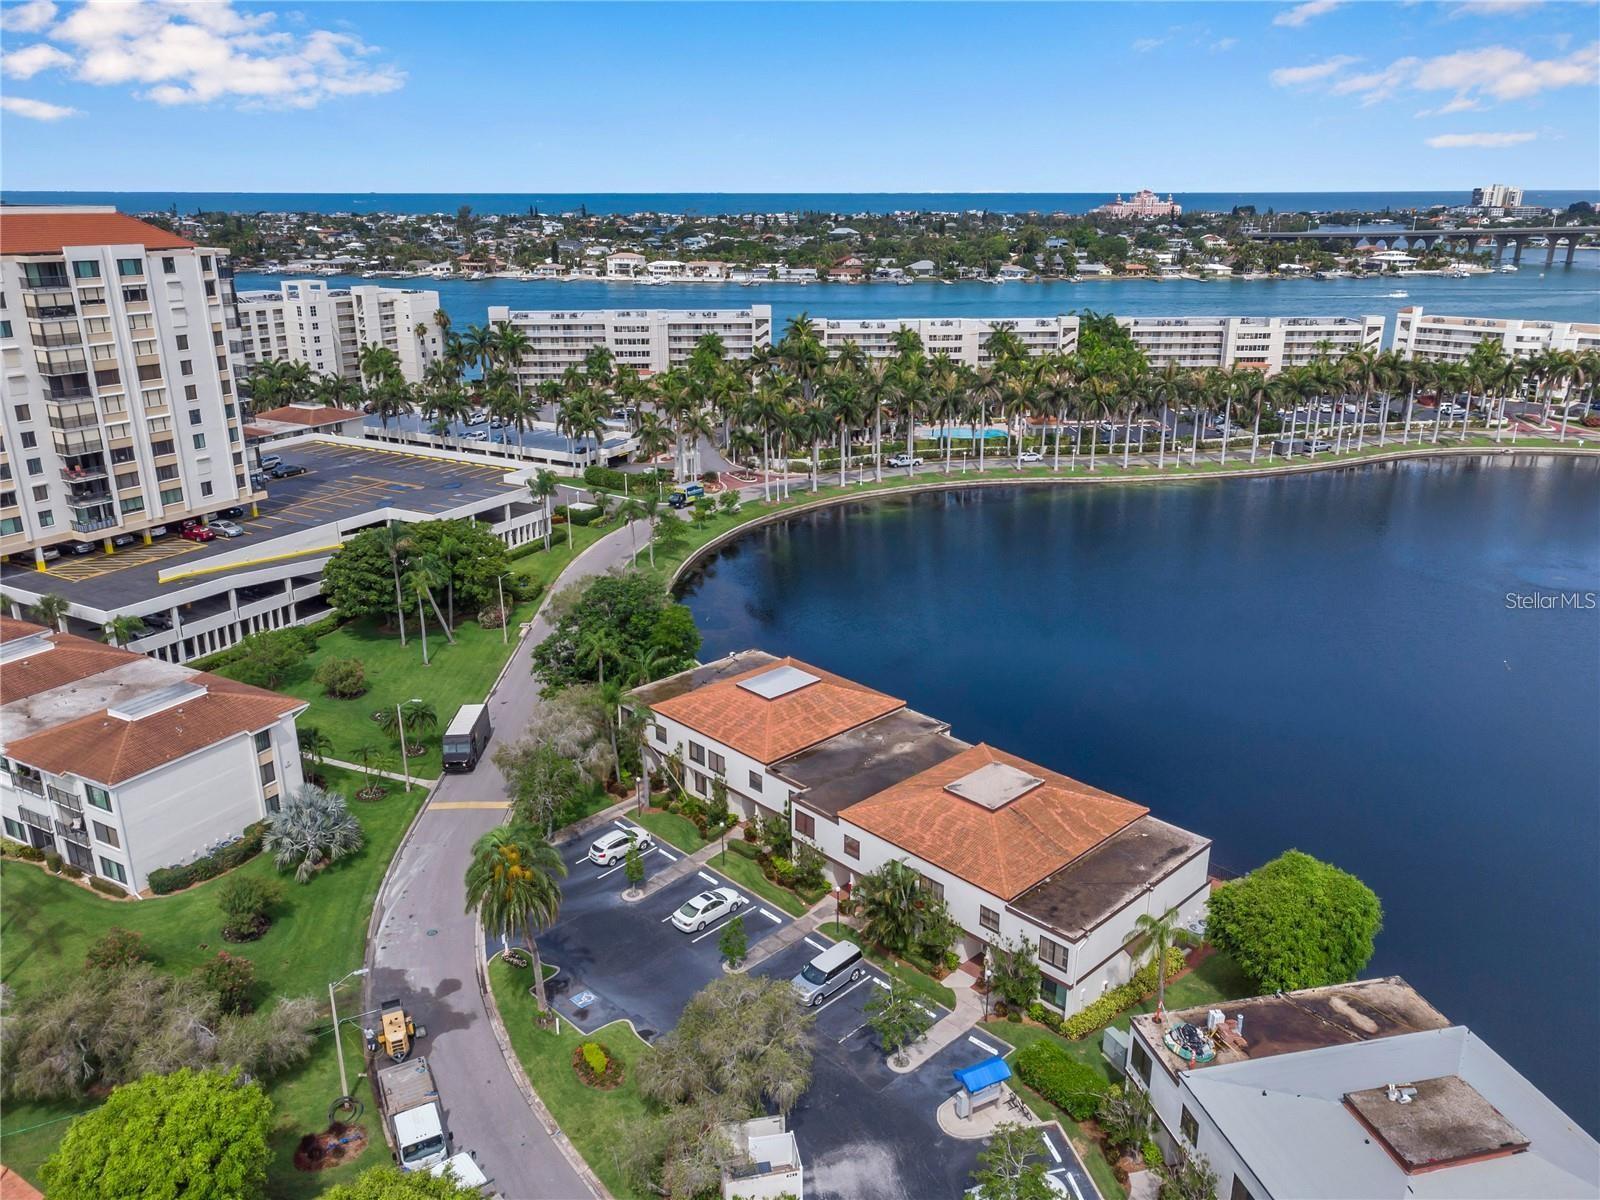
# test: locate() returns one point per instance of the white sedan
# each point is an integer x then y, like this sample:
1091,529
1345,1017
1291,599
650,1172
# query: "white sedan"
699,911
613,847
1029,456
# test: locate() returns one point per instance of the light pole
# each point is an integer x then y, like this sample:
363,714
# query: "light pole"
501,591
338,1042
400,723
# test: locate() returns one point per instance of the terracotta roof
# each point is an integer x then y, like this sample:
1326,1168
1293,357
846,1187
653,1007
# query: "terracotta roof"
1004,850
768,730
11,627
294,414
110,750
47,233
70,659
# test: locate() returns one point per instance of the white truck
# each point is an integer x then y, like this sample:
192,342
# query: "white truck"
416,1122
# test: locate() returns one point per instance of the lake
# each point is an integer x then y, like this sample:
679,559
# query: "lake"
1328,661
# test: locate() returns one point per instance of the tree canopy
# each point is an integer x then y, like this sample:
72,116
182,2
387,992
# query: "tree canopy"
630,616
359,579
391,1183
1296,922
197,1135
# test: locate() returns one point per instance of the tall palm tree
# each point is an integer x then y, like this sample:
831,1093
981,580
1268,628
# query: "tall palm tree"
511,344
51,610
1163,933
395,541
543,488
514,883
480,343
121,630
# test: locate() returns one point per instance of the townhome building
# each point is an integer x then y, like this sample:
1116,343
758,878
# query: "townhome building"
326,328
649,340
1356,1091
1018,852
964,339
1268,344
1433,337
122,763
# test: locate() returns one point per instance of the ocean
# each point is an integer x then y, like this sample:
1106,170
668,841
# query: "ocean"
716,203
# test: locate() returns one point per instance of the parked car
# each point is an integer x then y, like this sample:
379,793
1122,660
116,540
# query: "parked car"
159,531
286,471
828,972
227,529
699,911
613,847
197,533
79,547
906,460
475,435
1316,446
159,621
1030,456
477,417
50,553
268,461
123,539
1451,409
233,514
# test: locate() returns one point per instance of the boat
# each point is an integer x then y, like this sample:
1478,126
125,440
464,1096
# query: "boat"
1507,269
1395,295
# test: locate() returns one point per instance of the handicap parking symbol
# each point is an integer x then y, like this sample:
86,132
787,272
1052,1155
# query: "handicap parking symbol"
583,1000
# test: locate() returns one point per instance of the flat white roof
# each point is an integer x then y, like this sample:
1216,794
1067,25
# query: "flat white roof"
780,681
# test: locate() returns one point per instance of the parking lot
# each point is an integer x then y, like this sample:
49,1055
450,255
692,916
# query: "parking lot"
865,1132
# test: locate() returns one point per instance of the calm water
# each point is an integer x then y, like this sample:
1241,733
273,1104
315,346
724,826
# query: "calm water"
716,203
1560,294
1326,662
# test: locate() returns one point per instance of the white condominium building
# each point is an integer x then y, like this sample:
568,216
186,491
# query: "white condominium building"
1497,195
325,328
1452,339
1269,344
964,339
649,340
122,763
119,411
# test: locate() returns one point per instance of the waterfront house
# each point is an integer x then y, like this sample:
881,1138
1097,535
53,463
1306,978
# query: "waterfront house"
1016,850
665,268
923,267
625,264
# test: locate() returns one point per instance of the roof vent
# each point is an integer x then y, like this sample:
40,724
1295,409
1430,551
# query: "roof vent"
993,785
18,648
157,701
780,681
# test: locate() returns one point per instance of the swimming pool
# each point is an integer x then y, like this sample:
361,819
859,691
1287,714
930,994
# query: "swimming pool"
961,432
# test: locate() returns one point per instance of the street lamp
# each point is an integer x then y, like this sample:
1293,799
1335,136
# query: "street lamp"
338,1042
500,589
400,721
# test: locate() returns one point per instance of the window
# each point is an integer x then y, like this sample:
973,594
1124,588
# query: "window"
205,487
1239,1191
35,467
98,797
185,366
269,773
24,413
105,833
755,781
716,762
1188,1127
14,831
194,415
1141,1062
46,520
805,824
933,887
199,441
697,753
661,734
852,848
1052,952
169,265
191,393
112,869
30,440
172,496
5,329
129,266
41,492
263,741
1053,992
989,919
272,803
84,269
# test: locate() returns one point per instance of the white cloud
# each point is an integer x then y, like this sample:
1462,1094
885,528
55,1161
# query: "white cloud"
1301,13
36,110
1311,72
1459,104
1144,45
177,52
30,60
1494,8
1222,44
31,17
1480,141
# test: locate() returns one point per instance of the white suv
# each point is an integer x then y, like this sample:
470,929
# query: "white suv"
613,847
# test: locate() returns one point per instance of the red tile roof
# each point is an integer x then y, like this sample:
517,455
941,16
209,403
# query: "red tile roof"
1006,850
294,414
769,730
70,659
11,627
47,233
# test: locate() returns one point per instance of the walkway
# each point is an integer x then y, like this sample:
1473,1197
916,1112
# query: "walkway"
957,1023
423,947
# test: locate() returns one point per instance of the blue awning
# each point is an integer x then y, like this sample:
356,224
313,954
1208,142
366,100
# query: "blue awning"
984,1074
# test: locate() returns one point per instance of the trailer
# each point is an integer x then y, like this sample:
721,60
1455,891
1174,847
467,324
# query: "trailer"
412,1112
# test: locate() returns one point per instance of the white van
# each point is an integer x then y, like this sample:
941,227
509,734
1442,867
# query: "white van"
828,972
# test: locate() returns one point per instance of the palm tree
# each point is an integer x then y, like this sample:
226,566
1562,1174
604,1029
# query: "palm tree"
513,883
511,344
543,487
1163,933
121,630
51,610
891,899
394,540
479,344
314,827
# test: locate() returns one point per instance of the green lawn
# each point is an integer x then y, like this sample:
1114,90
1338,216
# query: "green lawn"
601,1124
543,566
318,934
670,827
926,985
747,873
456,675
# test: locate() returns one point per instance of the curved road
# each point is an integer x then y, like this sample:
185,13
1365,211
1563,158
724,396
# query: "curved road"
425,946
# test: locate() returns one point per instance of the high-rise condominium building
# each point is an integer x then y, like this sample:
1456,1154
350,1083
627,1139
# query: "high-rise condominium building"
1265,343
964,339
117,402
1438,338
326,328
1496,195
647,339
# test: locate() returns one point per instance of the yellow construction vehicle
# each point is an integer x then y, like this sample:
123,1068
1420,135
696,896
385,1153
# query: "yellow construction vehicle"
395,1033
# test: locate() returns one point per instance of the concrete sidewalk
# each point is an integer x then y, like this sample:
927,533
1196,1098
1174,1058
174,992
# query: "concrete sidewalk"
947,1029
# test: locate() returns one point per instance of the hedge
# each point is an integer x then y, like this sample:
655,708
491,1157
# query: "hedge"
223,657
1061,1079
1104,1010
580,518
608,478
172,879
108,887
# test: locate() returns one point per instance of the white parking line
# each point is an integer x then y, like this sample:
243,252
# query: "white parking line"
612,871
1051,1146
852,1033
714,928
847,991
815,945
707,878
619,822
879,982
665,855
926,1009
770,917
1076,1190
983,1045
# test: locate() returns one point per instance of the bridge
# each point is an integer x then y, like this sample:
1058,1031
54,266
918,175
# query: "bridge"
1459,239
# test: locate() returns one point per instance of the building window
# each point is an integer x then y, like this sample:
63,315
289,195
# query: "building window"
83,269
805,824
15,831
1239,1191
186,366
105,833
272,803
30,440
24,413
661,734
268,773
1141,1062
169,265
112,869
1052,952
172,496
989,919
205,488
263,741
1053,992
1188,1127
183,338
852,848
98,797
697,753
933,887
199,441
129,266
717,762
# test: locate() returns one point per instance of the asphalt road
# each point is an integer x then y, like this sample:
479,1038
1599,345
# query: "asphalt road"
425,947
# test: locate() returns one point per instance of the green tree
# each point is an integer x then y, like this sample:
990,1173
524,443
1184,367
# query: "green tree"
50,610
633,868
1012,1166
1296,923
359,579
342,678
121,630
1014,972
1190,1178
733,944
674,639
540,781
391,1183
543,487
891,900
514,883
247,902
897,1017
1162,933
626,611
198,1135
267,658
313,829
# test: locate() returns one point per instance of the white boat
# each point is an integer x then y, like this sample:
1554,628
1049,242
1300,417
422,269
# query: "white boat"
1507,269
1395,295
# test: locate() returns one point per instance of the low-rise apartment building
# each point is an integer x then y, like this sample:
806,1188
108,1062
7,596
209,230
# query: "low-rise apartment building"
117,404
122,763
1268,344
964,339
649,340
326,328
1358,1091
1017,851
1438,338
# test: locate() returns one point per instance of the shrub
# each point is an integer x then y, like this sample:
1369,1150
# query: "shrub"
343,678
116,949
108,887
247,902
230,977
607,478
31,854
579,517
594,1057
71,872
1151,1153
1086,1020
52,861
596,1065
1070,1085
172,879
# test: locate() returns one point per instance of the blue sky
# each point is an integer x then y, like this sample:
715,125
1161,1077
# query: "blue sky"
774,97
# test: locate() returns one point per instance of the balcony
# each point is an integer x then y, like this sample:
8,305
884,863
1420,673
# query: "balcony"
62,798
34,786
93,526
73,833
